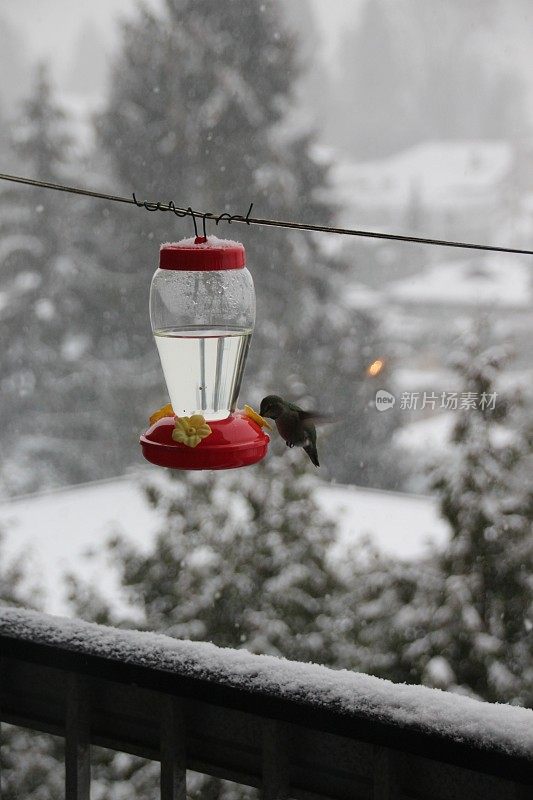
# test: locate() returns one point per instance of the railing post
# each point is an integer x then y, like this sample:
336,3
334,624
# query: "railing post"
77,741
385,774
275,764
173,755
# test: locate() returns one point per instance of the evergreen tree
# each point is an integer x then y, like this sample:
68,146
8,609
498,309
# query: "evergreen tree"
54,386
31,276
386,612
486,496
461,618
34,274
200,112
242,561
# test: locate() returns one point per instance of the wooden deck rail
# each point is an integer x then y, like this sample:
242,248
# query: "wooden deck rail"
180,704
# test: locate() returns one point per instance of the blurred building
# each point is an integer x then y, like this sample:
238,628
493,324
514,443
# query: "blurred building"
427,312
443,294
477,191
445,189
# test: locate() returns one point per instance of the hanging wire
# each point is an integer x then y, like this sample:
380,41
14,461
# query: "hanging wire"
247,219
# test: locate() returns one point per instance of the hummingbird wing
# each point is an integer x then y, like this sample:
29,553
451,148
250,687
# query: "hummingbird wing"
316,417
312,417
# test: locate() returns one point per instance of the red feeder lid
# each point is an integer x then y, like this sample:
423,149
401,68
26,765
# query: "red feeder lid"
201,254
236,441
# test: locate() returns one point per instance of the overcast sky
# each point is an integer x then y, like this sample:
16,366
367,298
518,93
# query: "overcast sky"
52,26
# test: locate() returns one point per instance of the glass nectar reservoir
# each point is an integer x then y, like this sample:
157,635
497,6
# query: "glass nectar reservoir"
202,310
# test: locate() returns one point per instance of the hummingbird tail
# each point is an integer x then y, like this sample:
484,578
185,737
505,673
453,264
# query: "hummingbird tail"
311,451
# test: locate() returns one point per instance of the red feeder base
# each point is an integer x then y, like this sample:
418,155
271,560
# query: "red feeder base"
236,441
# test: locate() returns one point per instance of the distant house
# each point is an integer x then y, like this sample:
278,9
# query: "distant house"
480,281
498,286
445,188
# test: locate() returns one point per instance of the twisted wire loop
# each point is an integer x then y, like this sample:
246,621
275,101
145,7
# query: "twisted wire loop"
180,211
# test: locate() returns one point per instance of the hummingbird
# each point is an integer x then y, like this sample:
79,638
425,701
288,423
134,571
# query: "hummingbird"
294,425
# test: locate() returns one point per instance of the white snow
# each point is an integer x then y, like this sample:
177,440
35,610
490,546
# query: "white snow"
491,281
54,531
433,434
443,174
212,242
412,379
494,727
439,673
81,110
17,243
357,296
401,525
429,435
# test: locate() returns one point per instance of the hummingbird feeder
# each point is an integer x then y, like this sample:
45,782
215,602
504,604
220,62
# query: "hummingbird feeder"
202,311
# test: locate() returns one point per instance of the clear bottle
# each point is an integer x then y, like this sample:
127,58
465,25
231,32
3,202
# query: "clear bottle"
202,311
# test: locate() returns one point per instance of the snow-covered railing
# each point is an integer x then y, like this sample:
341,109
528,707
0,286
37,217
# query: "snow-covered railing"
294,730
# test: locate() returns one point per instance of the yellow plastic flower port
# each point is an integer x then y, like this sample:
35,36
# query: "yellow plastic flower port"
166,411
261,421
191,430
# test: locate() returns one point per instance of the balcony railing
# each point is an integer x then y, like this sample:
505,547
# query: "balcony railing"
292,730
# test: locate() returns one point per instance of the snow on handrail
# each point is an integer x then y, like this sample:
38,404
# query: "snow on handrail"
490,728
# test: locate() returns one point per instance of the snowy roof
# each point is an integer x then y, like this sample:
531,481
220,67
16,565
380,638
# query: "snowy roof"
54,530
431,435
501,729
400,524
440,172
489,281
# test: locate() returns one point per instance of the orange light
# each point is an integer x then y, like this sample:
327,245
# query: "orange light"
375,367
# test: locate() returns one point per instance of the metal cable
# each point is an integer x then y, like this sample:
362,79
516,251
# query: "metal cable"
249,220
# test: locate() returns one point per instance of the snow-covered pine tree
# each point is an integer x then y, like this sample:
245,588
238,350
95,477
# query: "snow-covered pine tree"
461,618
29,248
46,433
485,493
201,112
387,608
56,384
241,560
